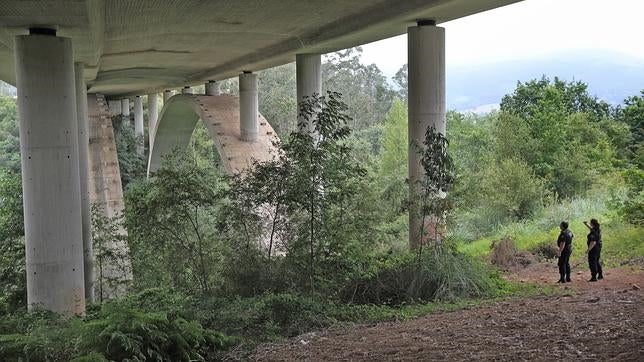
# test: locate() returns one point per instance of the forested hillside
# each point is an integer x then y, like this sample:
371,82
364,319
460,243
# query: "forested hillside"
319,235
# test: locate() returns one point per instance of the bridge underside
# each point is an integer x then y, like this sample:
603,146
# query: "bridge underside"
220,114
145,46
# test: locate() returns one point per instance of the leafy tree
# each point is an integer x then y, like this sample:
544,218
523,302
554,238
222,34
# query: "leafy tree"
530,99
558,130
9,135
13,278
132,165
400,78
364,87
170,223
111,263
393,162
632,113
436,182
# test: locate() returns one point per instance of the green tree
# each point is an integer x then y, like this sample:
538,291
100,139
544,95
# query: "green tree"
132,165
365,89
393,163
632,113
9,135
13,278
170,221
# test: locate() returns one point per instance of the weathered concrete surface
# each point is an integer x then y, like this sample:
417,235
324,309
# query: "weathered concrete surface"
105,190
50,175
248,107
426,102
83,154
221,116
144,46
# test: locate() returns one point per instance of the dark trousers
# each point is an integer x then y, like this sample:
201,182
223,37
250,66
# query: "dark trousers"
593,262
564,265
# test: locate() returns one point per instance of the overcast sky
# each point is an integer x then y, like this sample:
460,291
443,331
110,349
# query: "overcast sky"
529,29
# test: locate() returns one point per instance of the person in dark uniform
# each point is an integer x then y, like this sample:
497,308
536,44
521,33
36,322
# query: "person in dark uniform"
594,242
564,243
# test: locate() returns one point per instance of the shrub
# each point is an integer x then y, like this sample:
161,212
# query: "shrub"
118,330
441,274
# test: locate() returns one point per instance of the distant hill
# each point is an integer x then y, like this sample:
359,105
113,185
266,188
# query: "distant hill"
611,77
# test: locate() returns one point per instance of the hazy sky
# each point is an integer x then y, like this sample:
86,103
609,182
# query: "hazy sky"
529,29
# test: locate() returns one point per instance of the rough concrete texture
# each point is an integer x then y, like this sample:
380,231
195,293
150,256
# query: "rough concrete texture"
144,46
221,116
426,102
105,188
83,154
50,175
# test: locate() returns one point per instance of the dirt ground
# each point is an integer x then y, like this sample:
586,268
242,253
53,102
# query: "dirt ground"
584,321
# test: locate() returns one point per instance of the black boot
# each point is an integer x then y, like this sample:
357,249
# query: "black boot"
568,279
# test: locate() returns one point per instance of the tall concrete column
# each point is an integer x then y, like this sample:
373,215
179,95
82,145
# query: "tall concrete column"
212,88
166,95
125,107
309,78
50,172
153,115
114,106
248,107
426,102
138,124
186,90
83,156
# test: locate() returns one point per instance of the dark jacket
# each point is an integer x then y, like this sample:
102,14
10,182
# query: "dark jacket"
565,237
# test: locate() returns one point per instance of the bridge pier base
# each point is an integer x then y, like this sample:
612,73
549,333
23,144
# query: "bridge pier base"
248,107
426,102
50,172
309,79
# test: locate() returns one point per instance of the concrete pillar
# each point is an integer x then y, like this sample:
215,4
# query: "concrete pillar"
166,95
309,78
83,156
212,88
50,175
186,90
248,107
153,115
426,102
125,107
138,124
114,106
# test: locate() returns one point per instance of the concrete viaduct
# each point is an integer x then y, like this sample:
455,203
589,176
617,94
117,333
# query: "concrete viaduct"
57,51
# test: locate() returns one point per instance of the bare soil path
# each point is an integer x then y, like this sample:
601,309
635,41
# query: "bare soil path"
585,321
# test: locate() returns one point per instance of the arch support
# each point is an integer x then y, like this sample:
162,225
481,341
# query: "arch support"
221,115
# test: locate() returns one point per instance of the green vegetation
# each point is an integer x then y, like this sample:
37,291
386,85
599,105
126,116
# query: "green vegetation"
319,235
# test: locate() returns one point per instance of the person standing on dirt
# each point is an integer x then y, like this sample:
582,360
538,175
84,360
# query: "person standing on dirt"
564,242
594,242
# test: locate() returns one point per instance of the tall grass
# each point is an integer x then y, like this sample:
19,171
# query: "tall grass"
621,241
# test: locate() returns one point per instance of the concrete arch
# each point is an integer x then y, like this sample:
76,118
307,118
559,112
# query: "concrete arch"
179,118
